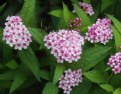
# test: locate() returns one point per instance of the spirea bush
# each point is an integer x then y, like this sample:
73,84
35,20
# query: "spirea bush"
60,47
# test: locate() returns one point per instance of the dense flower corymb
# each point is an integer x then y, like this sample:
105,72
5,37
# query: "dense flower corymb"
115,62
16,34
87,8
100,32
75,23
70,79
65,45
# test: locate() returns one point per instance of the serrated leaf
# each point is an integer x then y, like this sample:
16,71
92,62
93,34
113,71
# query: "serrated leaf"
30,60
18,80
107,87
117,91
58,72
56,13
96,76
28,13
91,57
117,23
50,88
117,36
85,19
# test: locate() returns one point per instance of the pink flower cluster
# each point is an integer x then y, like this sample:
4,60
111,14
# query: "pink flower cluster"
87,8
65,45
16,34
115,63
77,22
100,32
70,79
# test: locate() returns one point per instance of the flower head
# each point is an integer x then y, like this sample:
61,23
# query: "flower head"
65,45
87,8
70,79
115,62
75,23
100,32
16,34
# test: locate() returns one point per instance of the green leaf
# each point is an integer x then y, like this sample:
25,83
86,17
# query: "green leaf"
96,10
61,24
30,60
74,1
56,13
87,1
66,14
12,64
5,84
117,23
107,87
38,35
18,80
28,13
50,88
117,36
85,19
58,72
8,75
117,91
97,90
91,57
44,75
81,88
106,4
96,76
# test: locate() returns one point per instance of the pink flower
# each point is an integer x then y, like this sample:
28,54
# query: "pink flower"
65,45
70,79
16,34
75,23
115,62
87,8
100,32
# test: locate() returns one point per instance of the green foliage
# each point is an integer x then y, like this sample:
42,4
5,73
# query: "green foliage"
106,4
81,88
107,87
12,64
28,13
50,88
96,76
117,36
56,13
117,91
58,72
86,20
22,71
18,80
117,23
30,60
91,57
